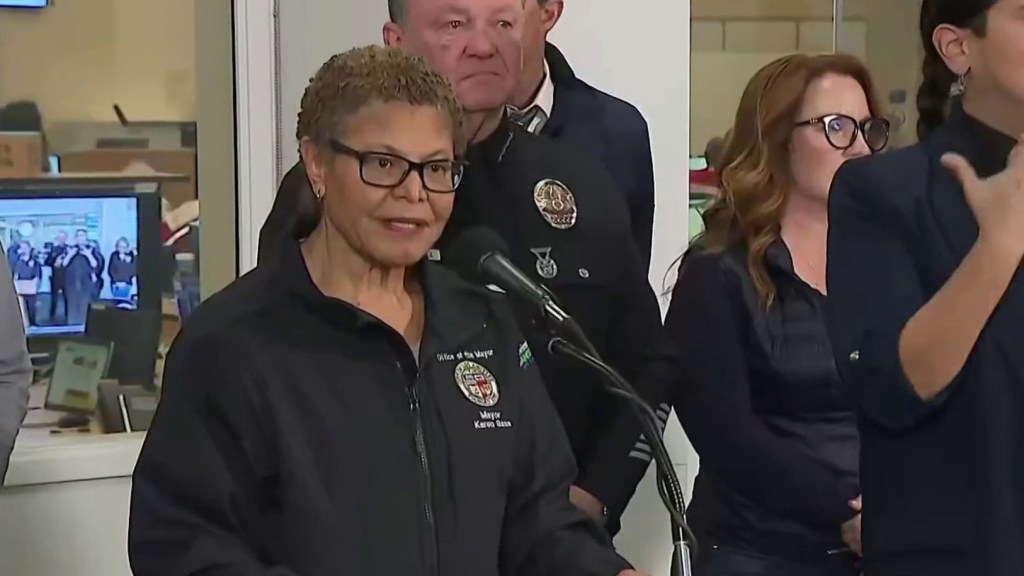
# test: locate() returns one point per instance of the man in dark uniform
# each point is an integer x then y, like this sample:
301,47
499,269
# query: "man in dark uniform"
565,222
552,101
82,266
55,260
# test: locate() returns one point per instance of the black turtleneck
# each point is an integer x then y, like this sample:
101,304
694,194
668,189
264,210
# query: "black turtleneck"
994,144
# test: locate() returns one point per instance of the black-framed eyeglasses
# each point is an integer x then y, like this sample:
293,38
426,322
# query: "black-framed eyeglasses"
841,130
386,170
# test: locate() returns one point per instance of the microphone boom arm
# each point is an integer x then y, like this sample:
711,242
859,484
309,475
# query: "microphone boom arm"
570,340
669,488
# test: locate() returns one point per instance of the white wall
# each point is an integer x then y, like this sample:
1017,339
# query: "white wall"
645,60
141,55
310,32
612,45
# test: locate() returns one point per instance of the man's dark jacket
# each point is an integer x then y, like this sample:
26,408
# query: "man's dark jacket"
612,130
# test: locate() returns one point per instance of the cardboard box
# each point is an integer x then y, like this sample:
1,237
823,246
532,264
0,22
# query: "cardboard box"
165,161
21,154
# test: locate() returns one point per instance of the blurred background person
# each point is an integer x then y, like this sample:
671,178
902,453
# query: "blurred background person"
55,260
550,99
82,268
122,270
93,248
15,368
777,493
14,248
436,492
714,149
27,275
927,307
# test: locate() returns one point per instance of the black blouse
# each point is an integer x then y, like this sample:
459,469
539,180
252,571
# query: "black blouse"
760,401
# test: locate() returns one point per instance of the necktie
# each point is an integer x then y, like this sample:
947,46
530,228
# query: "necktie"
531,119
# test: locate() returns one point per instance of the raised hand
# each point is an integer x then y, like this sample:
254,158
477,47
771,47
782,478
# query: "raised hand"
996,201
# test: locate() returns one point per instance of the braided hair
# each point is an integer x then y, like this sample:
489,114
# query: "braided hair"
933,96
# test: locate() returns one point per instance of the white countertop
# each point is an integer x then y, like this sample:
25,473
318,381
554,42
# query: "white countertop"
72,458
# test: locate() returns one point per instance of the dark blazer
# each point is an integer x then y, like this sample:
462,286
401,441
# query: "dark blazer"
612,130
943,481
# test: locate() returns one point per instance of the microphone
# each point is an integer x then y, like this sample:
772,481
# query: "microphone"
478,255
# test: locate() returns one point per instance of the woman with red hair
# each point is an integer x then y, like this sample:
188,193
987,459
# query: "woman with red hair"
778,489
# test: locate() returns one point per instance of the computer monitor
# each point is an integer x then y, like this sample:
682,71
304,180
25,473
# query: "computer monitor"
69,250
133,336
24,3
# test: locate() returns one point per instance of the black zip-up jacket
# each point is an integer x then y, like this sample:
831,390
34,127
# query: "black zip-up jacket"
298,435
600,280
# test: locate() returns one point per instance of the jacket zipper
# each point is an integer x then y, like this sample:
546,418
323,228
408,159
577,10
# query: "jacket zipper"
425,477
426,486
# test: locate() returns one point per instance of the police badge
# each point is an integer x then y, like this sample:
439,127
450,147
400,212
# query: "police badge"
556,203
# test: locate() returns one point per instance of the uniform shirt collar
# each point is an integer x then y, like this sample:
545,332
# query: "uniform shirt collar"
536,114
545,97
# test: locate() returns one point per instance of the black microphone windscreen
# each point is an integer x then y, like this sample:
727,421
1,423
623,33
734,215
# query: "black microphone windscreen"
466,251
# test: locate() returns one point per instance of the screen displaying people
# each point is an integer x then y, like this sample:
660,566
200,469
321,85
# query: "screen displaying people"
67,253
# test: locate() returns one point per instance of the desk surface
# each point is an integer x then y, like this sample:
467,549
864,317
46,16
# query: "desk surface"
73,458
40,425
43,457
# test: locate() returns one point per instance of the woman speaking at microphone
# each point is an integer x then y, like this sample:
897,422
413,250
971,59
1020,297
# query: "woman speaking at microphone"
349,408
927,307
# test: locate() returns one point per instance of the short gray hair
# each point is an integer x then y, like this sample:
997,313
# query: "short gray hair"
397,10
